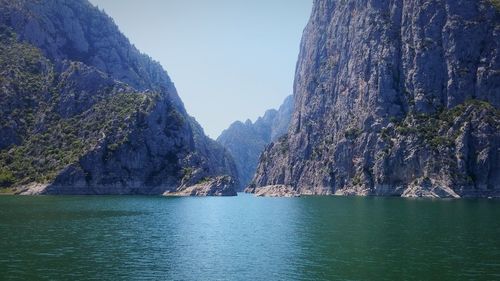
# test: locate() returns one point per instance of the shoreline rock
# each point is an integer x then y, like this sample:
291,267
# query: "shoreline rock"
31,189
273,191
218,186
420,189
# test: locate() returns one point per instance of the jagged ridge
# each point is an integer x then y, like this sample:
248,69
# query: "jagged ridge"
246,141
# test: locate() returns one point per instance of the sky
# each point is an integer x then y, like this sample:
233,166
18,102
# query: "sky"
229,59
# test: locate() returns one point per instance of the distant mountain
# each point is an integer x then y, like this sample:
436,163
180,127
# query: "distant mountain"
393,98
245,141
82,111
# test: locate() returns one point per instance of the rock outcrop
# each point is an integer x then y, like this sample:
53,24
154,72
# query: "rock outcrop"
218,186
246,141
275,191
84,112
393,98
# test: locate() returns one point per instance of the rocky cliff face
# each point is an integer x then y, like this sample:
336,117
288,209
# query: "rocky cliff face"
84,112
396,98
246,141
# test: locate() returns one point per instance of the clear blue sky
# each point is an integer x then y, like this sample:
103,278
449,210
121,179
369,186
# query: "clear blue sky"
229,59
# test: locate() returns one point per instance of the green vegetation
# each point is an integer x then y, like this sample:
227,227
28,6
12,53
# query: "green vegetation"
204,180
496,3
187,172
356,180
352,133
28,106
434,129
175,118
281,145
6,179
25,77
42,155
7,191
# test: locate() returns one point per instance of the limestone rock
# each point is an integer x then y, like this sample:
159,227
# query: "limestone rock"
82,111
393,98
273,191
218,186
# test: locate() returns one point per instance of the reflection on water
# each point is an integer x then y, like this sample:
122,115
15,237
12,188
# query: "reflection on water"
248,238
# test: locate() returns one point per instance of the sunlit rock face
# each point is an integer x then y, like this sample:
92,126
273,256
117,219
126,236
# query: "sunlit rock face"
393,98
84,112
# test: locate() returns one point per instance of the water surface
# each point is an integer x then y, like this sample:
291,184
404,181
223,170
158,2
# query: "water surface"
248,238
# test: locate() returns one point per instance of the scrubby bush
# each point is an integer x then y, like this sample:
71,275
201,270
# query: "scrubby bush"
6,179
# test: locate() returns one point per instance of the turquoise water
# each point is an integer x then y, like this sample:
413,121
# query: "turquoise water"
248,238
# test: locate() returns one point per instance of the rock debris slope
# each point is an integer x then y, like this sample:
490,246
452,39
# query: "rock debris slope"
393,98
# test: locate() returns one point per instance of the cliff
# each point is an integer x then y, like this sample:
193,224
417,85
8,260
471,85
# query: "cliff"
393,98
84,112
246,141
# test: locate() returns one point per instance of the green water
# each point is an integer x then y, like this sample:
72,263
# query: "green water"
248,238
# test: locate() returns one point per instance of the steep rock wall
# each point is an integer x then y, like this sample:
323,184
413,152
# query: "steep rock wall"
393,98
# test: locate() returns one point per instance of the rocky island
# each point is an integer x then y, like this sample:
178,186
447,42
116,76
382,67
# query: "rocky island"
392,98
82,111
